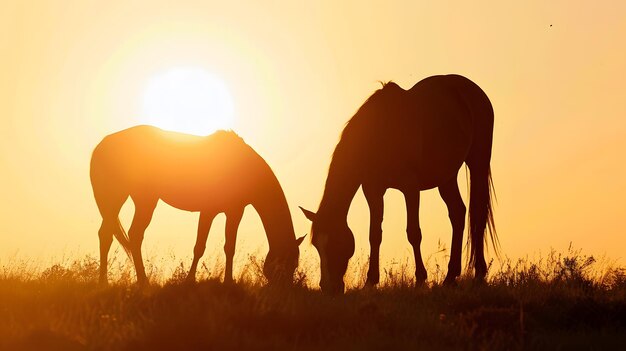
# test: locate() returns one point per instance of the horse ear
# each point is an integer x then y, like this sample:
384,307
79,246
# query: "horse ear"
300,240
308,214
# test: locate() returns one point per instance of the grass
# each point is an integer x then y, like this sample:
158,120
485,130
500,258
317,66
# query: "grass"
560,302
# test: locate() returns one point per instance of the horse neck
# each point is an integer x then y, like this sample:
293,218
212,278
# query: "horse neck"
341,184
272,207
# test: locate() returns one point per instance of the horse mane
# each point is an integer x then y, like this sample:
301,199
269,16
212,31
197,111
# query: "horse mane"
371,111
228,142
226,136
387,91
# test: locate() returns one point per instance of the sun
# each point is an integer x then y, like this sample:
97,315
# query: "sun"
188,100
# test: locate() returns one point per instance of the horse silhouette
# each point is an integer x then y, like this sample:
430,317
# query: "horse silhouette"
410,140
212,174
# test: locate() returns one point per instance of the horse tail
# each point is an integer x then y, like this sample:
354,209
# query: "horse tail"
122,237
482,193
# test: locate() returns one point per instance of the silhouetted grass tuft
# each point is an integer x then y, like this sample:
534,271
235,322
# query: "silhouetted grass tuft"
561,301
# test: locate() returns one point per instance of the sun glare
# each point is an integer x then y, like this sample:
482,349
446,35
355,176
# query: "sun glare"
188,100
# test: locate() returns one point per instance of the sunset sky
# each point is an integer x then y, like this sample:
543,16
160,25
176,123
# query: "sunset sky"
72,72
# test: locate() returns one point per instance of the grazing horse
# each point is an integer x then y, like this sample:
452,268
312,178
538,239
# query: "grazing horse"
410,140
211,174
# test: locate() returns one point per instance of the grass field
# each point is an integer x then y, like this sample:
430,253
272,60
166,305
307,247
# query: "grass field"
561,302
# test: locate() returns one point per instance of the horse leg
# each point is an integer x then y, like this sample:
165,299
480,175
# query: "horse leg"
480,214
375,201
414,233
456,211
233,218
143,215
204,226
110,204
105,234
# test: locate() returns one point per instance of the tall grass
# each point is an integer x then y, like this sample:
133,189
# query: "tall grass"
558,301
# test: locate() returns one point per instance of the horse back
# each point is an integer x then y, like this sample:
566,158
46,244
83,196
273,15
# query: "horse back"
187,172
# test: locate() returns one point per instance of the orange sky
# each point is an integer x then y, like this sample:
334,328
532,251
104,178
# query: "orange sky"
74,71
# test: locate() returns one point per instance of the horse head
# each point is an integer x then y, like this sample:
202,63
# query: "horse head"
334,242
280,265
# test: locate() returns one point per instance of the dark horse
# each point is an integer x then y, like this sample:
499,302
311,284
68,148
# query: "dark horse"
212,174
410,140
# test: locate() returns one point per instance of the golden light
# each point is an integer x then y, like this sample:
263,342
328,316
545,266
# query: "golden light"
188,100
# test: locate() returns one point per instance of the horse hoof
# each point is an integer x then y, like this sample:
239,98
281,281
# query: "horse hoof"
450,282
480,281
420,283
370,284
143,283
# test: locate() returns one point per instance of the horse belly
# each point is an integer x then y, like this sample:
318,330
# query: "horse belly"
440,163
401,177
196,191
